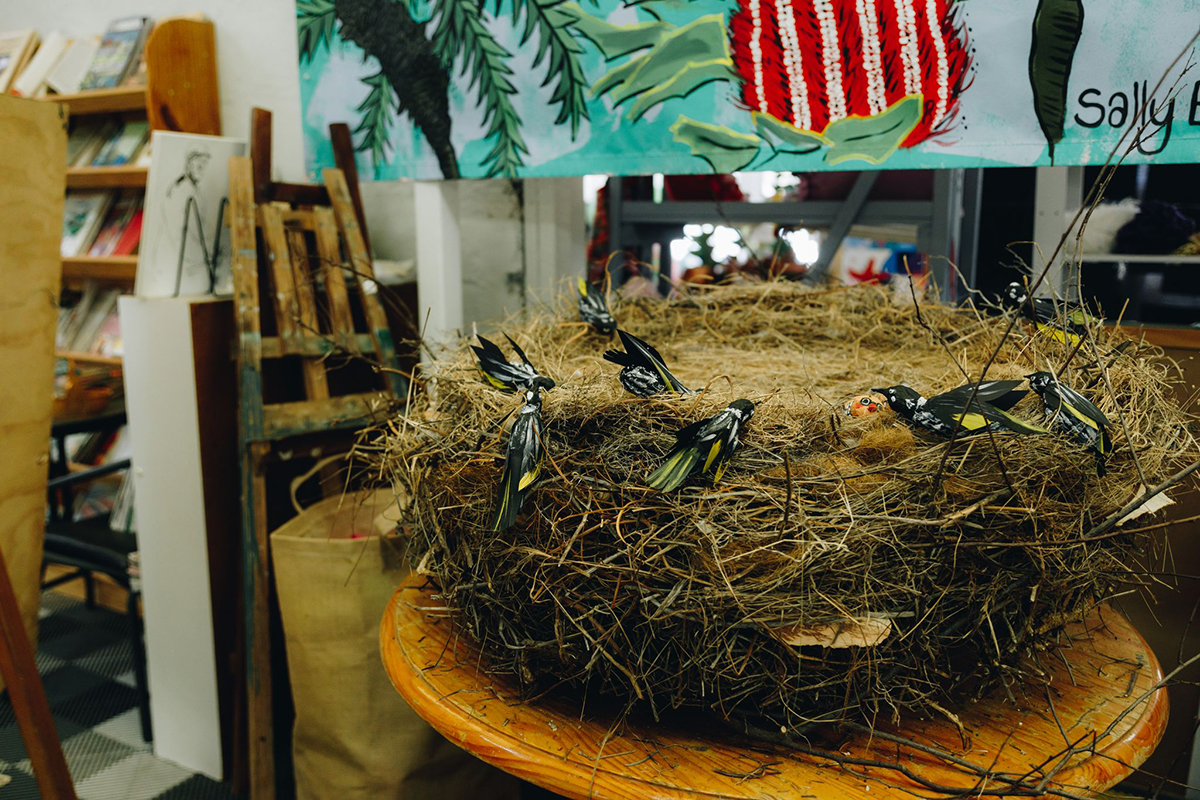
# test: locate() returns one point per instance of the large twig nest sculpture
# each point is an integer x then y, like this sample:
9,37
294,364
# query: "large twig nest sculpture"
844,566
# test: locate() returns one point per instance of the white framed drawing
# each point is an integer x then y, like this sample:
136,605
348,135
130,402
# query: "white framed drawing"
185,243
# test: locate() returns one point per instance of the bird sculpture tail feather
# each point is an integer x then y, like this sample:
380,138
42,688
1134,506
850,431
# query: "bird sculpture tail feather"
674,470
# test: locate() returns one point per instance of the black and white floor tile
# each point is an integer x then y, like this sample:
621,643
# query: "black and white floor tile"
87,669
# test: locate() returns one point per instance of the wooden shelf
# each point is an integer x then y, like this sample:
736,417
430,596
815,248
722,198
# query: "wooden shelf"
104,101
106,177
108,269
88,358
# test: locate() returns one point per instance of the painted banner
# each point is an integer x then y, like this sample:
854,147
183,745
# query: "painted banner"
525,88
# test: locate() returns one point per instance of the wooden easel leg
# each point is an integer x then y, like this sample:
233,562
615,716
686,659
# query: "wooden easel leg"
257,591
28,698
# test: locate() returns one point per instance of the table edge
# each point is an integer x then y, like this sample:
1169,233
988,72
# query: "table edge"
1105,769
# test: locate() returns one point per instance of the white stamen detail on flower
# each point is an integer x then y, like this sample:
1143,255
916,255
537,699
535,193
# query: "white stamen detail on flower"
793,62
943,64
906,18
831,57
868,23
756,53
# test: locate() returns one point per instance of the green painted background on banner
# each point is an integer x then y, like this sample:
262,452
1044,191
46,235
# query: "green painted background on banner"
464,88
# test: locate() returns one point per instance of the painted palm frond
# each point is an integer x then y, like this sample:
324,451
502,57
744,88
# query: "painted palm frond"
557,43
316,20
375,124
461,30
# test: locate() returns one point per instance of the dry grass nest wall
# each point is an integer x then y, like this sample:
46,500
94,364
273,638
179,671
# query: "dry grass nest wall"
821,522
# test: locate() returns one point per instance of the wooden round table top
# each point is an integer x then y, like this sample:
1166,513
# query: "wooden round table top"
1099,689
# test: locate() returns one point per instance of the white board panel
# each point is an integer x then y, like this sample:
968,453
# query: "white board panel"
160,396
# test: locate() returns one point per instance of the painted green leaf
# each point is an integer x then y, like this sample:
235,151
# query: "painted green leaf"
874,138
785,138
315,20
682,61
615,40
1057,26
725,150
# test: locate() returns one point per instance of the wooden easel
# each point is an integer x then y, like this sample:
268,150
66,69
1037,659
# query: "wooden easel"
313,315
28,698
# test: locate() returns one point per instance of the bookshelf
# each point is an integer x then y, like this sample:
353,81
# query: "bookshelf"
106,269
104,101
180,94
129,177
88,358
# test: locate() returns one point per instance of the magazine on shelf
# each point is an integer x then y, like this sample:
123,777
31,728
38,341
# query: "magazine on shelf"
127,245
72,68
88,135
123,145
118,55
32,80
115,224
105,304
16,48
82,214
70,317
108,340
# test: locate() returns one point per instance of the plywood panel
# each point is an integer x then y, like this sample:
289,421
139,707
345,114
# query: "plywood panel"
33,156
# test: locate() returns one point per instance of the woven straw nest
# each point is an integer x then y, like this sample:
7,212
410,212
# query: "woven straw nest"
844,567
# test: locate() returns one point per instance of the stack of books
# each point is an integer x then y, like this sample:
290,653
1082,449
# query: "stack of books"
98,142
34,67
88,322
102,223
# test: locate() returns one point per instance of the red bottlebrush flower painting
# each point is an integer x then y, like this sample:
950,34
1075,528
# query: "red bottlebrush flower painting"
810,63
856,79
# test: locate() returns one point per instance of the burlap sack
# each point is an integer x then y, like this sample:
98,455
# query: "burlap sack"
354,736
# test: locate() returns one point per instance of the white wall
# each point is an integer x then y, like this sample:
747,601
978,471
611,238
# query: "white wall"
256,55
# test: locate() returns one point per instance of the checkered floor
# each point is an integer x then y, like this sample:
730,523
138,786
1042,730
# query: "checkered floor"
87,668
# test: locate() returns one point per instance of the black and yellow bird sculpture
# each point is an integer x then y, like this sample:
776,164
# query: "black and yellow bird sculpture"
1067,327
704,446
1074,415
643,371
522,461
1001,394
942,413
508,376
593,309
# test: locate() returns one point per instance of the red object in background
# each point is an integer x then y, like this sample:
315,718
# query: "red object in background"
812,62
870,273
702,187
598,248
128,243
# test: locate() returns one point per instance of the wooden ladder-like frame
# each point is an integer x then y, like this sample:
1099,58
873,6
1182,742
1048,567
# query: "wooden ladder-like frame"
344,266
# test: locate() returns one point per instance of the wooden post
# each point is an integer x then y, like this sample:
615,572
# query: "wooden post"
360,261
255,566
343,157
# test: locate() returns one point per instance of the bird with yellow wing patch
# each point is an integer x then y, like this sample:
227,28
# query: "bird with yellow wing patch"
593,308
1074,415
508,376
944,413
522,461
704,446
